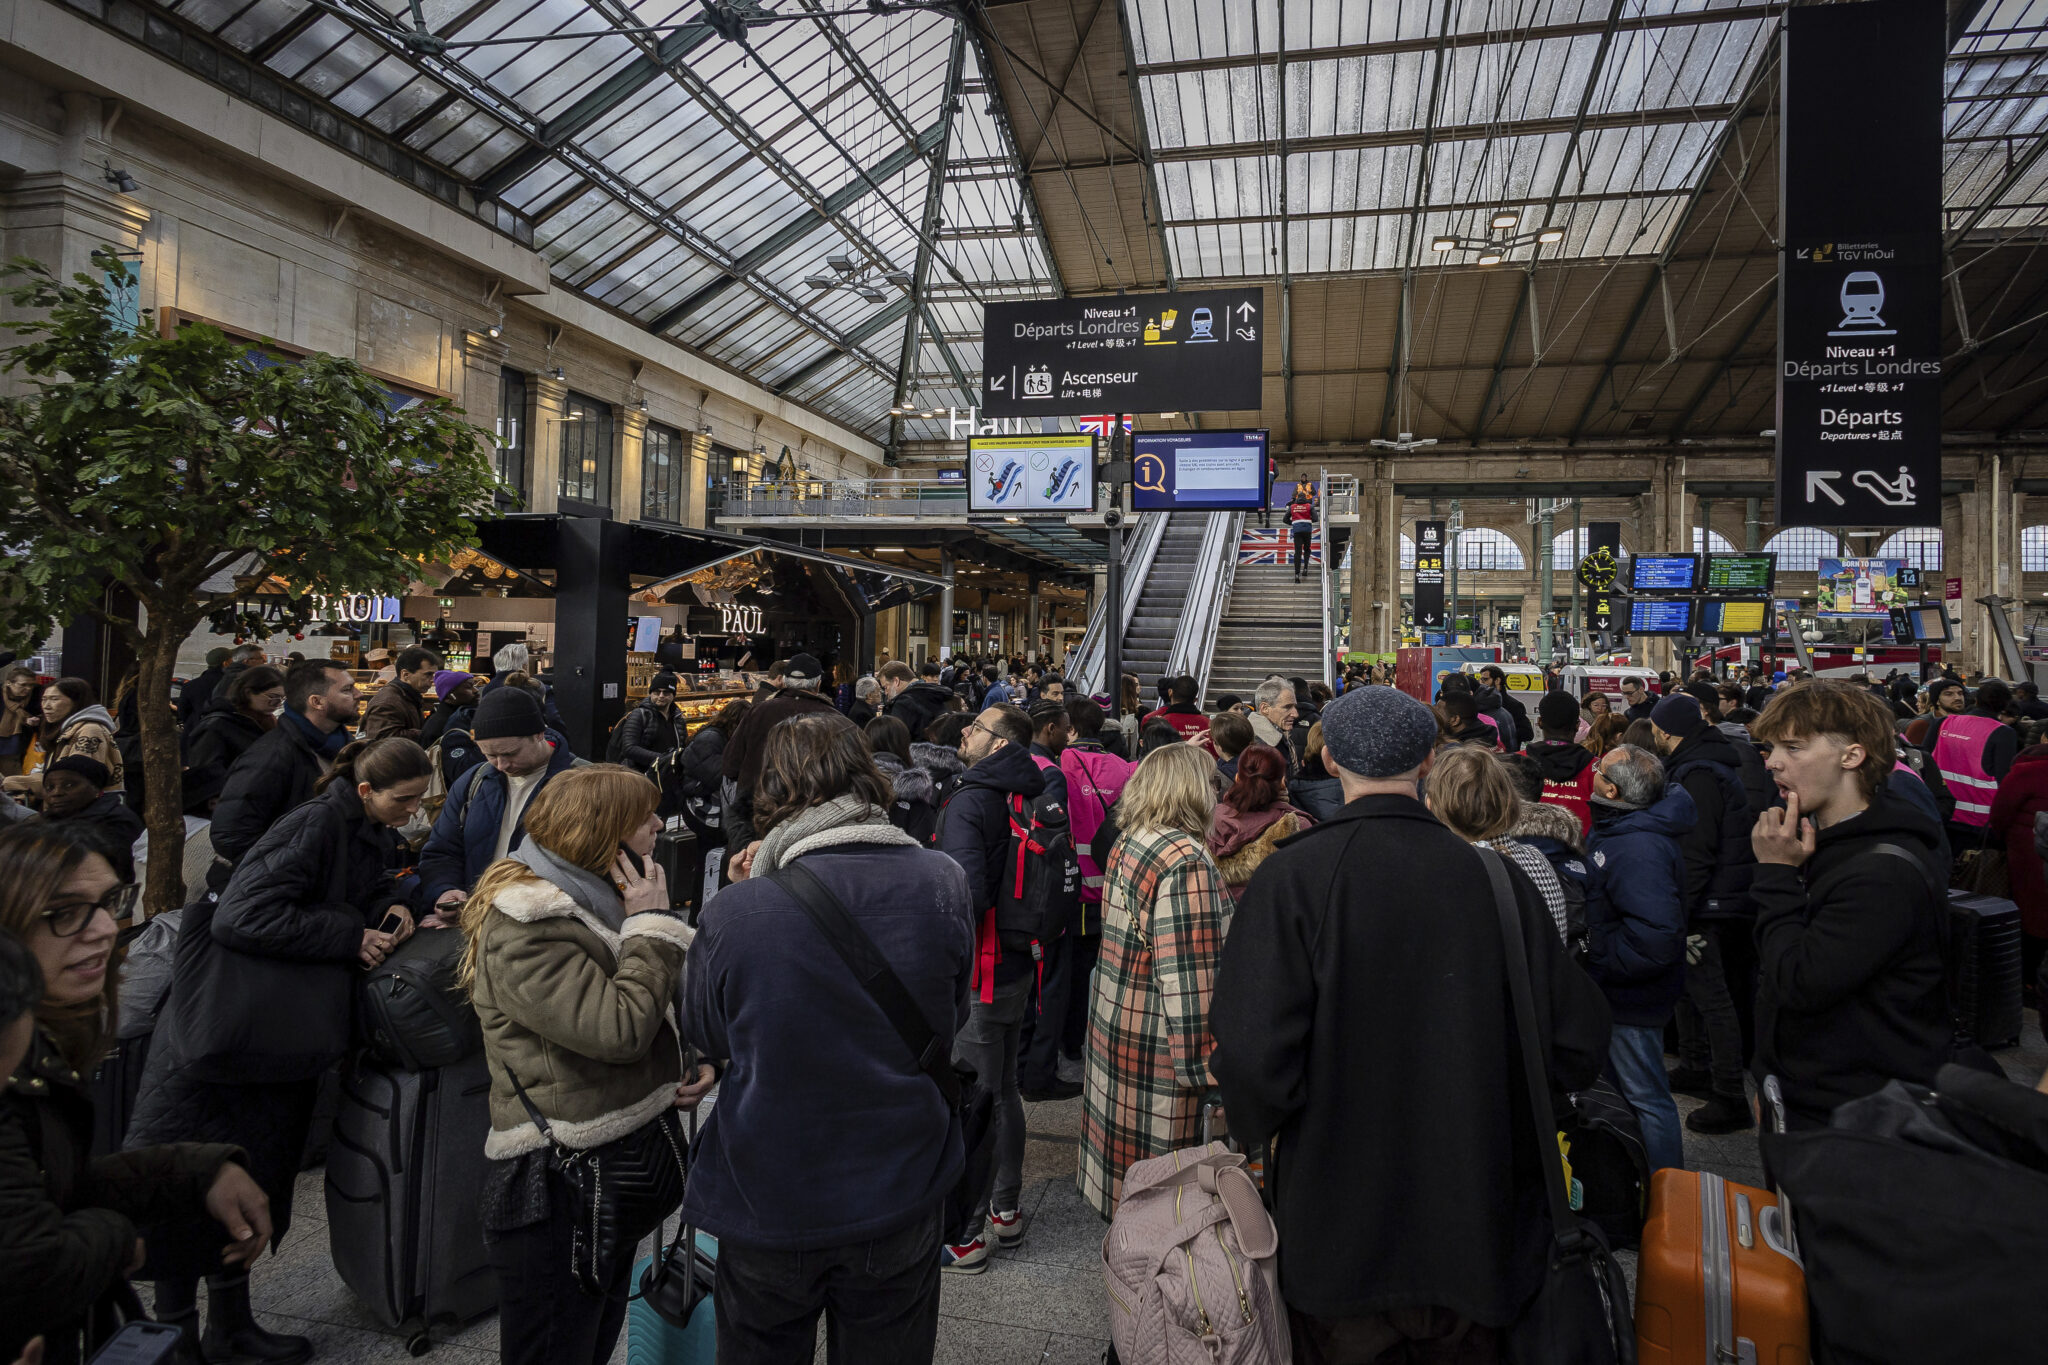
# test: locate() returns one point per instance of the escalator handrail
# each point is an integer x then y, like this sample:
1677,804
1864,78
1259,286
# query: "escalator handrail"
1141,547
1194,642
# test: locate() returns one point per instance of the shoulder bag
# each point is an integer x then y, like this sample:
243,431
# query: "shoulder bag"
1580,1312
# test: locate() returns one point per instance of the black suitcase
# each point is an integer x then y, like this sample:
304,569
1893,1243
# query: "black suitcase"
403,1185
114,1087
675,851
414,1016
1984,952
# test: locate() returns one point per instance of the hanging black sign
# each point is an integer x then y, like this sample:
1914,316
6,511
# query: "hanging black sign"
1201,351
1859,303
1429,575
1603,550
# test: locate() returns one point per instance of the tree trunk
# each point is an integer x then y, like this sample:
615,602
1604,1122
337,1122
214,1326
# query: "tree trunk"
163,766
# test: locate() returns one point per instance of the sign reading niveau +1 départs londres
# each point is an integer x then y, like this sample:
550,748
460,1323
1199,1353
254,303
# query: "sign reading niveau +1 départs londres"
1200,351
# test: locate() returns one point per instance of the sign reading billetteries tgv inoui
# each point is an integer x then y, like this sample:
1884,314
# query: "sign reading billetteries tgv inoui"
1859,300
1192,352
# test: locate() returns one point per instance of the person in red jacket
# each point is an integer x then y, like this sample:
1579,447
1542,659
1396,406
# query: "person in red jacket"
1180,710
1567,766
1301,524
2023,794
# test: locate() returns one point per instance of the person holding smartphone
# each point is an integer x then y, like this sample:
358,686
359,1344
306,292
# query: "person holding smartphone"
261,1005
72,1226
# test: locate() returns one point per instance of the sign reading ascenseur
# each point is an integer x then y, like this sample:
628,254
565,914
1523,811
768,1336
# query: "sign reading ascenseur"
1200,351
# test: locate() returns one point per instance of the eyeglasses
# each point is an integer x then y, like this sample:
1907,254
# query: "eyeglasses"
71,917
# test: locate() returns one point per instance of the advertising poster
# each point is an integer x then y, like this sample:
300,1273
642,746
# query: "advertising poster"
1860,587
1031,474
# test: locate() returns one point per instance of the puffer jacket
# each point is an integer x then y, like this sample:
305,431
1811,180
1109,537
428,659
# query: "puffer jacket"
465,833
68,1220
915,810
917,706
275,775
1718,859
580,1013
1635,907
222,735
646,733
703,756
1240,842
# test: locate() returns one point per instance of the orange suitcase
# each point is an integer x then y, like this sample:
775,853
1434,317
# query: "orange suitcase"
1719,1282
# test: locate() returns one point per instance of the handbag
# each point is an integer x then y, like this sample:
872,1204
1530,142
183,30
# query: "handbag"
621,1190
970,1103
1580,1311
680,1276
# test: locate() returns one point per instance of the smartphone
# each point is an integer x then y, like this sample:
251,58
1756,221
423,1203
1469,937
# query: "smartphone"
634,861
393,922
140,1343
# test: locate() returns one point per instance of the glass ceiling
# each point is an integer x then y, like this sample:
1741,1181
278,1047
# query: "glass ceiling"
676,178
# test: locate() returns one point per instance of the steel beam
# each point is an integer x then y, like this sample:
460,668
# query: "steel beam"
1397,369
934,201
1144,130
1726,363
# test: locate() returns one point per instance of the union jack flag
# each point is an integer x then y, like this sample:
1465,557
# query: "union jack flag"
1100,424
1260,546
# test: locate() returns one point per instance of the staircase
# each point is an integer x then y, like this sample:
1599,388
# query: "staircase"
1270,625
1163,599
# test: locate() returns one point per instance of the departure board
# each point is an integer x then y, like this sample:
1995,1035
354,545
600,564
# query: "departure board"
1741,573
1660,617
1719,617
1664,573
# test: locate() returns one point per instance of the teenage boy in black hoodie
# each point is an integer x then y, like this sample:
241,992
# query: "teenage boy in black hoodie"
1851,989
1566,765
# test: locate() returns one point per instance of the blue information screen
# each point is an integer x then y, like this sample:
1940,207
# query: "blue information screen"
1664,573
1198,471
1659,618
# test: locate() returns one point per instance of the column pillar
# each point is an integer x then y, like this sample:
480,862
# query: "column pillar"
548,397
1031,619
696,474
1365,558
630,480
590,622
945,630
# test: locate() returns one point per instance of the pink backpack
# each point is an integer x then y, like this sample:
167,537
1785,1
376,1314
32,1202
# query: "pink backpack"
1094,781
1190,1266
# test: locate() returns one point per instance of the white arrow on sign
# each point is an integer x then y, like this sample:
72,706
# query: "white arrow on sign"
995,384
1245,310
1818,478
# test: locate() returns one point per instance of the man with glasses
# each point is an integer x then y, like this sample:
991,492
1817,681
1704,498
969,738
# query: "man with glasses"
1636,698
278,771
1001,782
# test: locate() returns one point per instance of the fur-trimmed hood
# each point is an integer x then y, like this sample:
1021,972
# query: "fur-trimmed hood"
1246,855
939,761
1542,820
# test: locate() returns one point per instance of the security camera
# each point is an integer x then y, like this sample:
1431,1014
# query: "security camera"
1113,517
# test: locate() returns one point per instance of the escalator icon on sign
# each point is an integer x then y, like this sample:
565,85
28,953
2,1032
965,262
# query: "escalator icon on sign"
1892,494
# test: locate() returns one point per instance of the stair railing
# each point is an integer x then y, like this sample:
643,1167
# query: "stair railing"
1141,547
1194,640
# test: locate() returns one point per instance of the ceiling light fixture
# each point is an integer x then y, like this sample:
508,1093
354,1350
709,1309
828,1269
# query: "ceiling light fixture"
858,277
120,179
1505,220
1550,235
1489,258
1443,244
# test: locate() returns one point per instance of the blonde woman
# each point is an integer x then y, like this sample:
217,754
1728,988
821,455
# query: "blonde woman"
1471,792
1164,915
572,964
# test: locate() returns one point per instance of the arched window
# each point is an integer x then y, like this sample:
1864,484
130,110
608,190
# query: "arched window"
1407,552
1710,542
1801,548
1482,547
2034,549
1565,557
1918,546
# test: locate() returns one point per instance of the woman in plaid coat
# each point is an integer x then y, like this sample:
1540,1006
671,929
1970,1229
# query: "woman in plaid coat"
1164,915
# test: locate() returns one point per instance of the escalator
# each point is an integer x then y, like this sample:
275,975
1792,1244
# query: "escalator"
1162,599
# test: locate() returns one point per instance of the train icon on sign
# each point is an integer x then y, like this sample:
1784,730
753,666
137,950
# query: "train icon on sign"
1201,326
1862,300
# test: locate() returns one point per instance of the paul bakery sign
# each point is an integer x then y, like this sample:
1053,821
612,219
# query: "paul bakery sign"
356,609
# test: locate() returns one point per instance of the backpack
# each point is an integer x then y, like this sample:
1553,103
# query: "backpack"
1040,890
1190,1266
615,744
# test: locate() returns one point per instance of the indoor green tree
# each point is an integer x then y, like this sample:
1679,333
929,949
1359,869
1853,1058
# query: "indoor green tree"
152,463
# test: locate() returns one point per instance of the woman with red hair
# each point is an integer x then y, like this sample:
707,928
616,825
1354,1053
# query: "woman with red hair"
1253,817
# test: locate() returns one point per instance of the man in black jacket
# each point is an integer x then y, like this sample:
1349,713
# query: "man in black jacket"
1636,699
914,700
649,730
1851,990
974,830
795,695
199,689
1496,677
1361,1017
1718,866
278,771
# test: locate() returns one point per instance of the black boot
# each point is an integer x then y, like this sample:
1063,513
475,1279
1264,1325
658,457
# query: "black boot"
1721,1114
177,1305
232,1336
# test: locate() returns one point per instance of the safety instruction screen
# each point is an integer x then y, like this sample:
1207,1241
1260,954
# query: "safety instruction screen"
1198,471
1031,473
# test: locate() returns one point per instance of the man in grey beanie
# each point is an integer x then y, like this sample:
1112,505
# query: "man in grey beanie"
1361,1015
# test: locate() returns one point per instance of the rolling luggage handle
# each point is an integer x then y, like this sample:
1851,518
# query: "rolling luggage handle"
673,1290
1775,1222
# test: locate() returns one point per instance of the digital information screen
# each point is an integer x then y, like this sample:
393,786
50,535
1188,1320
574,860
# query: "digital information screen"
1664,573
1922,623
1741,573
1198,471
1720,617
1660,617
1031,473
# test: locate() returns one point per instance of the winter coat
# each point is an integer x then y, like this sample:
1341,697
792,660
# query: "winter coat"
276,774
744,747
1240,843
2022,795
197,692
1525,729
1567,778
703,760
945,767
1493,705
579,1012
88,733
915,810
917,706
286,934
113,826
1380,924
68,1220
1319,797
644,735
860,713
1757,783
1851,991
1718,857
397,710
1553,831
1635,906
465,834
889,1153
221,737
974,831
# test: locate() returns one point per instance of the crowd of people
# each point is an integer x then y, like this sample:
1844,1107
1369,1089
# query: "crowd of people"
950,890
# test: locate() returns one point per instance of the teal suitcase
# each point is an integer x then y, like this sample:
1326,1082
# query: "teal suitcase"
651,1340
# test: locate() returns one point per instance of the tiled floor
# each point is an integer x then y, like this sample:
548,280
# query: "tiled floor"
1041,1304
